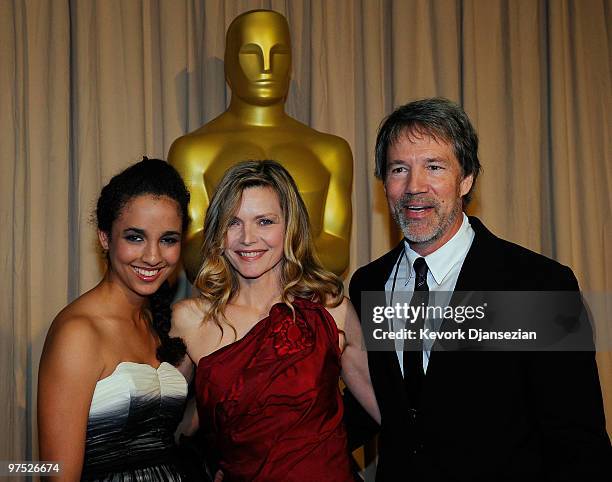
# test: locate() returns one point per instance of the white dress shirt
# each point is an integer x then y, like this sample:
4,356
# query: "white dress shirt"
444,266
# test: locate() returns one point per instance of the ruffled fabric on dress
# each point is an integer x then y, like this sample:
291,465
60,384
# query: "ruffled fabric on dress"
270,404
130,432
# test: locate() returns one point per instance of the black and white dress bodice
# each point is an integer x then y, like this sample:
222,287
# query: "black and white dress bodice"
130,432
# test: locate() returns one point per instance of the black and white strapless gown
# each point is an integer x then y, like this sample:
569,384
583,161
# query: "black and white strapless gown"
130,433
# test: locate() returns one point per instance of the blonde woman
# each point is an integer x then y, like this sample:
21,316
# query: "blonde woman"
269,336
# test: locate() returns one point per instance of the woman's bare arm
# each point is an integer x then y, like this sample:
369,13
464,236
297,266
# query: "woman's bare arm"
355,371
69,370
185,321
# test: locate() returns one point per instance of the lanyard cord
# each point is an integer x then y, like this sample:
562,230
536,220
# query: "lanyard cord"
397,265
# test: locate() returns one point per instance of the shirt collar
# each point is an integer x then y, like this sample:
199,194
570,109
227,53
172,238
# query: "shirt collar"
441,261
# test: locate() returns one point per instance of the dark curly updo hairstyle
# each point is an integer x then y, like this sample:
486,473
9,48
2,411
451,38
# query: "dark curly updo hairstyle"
152,177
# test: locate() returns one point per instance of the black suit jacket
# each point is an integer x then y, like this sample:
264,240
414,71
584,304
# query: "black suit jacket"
484,415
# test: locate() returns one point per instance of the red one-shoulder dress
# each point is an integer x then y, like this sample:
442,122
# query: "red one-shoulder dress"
269,403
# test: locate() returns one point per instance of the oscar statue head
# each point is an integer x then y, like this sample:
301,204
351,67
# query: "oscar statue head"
258,57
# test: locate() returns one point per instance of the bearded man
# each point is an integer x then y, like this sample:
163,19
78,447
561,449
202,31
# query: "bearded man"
466,414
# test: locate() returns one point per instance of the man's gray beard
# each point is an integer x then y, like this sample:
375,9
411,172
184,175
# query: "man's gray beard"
427,237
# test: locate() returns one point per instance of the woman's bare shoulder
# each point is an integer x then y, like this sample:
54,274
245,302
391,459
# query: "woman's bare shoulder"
187,315
340,311
75,340
79,318
332,305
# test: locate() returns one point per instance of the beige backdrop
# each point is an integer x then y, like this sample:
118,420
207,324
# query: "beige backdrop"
88,87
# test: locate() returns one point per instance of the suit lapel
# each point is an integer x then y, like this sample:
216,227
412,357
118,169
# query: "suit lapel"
478,261
382,271
384,363
476,268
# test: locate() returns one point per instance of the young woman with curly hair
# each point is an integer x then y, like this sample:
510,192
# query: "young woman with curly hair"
109,395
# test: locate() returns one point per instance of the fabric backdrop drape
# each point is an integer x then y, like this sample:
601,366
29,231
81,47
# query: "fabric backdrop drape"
88,87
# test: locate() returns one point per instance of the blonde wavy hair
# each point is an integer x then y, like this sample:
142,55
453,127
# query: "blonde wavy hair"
301,272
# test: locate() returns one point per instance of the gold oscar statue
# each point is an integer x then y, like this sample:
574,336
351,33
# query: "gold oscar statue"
255,126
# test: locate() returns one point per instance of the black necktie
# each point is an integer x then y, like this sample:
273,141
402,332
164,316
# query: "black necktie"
413,349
